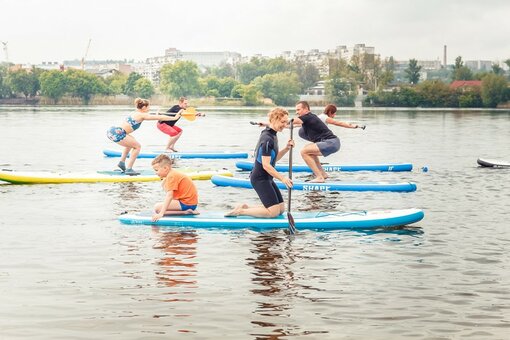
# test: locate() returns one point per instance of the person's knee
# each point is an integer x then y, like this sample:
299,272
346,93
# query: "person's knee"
274,211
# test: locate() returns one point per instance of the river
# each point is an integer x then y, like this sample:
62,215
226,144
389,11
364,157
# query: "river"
70,270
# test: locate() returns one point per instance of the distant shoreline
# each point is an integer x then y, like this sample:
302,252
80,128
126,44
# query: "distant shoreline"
160,100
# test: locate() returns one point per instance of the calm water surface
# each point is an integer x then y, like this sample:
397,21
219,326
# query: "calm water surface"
70,270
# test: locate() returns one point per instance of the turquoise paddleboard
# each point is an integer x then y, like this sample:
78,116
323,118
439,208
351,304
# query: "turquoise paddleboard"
303,220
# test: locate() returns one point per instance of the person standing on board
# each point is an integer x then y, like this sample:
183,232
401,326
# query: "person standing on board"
324,141
263,173
328,117
122,134
168,127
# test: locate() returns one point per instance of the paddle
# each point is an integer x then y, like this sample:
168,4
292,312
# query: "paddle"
292,224
190,114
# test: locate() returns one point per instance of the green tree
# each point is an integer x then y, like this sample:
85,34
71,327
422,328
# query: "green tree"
308,74
435,93
53,85
413,71
143,88
116,83
340,91
388,73
493,90
246,72
222,71
180,79
496,69
23,81
84,85
5,90
471,98
251,95
282,88
129,86
461,72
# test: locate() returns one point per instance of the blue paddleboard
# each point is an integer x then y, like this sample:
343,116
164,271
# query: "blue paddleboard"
395,167
303,220
182,155
328,186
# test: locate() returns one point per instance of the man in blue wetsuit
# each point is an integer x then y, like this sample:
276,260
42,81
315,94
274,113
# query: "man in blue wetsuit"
261,177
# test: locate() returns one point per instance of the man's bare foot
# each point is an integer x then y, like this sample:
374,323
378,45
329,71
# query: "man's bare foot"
317,180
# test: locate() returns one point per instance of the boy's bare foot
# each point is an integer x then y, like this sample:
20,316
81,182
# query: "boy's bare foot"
192,212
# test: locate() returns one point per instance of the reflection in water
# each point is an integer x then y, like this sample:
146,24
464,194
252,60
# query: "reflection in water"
177,266
129,196
275,285
319,201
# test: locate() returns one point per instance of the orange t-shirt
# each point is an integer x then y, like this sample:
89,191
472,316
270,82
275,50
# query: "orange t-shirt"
182,186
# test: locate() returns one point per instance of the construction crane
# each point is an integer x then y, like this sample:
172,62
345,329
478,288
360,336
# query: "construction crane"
5,51
85,56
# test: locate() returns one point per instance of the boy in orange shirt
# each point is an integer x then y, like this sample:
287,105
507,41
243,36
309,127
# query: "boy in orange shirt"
181,194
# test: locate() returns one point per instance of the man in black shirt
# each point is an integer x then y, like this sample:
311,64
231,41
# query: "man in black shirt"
324,141
169,127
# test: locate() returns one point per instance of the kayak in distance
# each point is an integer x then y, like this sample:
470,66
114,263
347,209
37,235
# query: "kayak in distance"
182,155
327,186
303,220
46,177
493,163
394,167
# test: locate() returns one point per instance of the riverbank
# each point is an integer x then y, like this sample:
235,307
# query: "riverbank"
161,100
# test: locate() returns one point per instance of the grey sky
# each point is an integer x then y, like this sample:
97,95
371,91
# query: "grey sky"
56,30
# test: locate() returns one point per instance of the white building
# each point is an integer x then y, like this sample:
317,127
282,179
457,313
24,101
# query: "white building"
152,66
479,65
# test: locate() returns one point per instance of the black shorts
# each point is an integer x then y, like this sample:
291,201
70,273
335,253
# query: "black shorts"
268,192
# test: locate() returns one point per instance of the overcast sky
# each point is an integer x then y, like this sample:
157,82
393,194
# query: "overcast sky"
57,30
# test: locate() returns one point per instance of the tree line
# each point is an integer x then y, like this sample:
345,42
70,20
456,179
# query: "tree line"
278,79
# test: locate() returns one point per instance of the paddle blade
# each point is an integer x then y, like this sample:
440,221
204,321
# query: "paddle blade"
189,117
292,224
190,114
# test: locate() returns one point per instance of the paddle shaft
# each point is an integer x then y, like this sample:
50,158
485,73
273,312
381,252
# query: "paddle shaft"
292,225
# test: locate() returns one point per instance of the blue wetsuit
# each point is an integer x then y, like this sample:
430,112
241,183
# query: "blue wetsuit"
260,179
